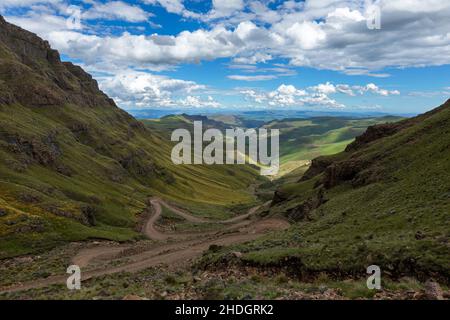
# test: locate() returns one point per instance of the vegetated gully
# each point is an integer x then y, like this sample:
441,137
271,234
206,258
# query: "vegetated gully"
171,249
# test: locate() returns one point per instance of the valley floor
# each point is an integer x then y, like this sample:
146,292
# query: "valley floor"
174,249
165,267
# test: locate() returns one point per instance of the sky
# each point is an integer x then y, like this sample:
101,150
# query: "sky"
389,56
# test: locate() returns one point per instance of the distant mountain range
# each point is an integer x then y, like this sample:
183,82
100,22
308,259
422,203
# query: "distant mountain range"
263,115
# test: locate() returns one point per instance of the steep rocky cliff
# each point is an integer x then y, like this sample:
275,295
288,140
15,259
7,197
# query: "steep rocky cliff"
34,75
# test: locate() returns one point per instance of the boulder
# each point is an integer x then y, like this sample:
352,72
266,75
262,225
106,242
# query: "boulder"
433,291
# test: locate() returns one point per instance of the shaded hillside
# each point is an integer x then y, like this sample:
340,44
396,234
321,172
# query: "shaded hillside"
74,166
384,201
235,120
166,125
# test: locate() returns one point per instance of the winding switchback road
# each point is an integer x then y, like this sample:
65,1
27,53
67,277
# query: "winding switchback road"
179,251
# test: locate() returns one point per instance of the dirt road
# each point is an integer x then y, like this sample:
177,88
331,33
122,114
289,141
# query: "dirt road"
179,251
149,227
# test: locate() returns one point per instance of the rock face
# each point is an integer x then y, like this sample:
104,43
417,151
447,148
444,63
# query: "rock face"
27,46
318,166
44,151
51,81
343,171
374,133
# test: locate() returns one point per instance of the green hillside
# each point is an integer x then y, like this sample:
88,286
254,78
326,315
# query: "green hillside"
384,201
302,140
74,166
166,125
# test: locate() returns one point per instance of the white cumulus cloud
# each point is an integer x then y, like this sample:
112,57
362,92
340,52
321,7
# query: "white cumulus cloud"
331,35
116,10
315,96
142,89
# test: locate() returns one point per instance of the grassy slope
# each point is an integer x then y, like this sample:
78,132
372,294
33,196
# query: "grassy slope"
302,140
71,171
397,218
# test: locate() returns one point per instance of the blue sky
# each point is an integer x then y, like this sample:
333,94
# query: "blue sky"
253,54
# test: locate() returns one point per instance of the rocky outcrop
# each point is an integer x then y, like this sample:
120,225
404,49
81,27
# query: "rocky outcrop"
83,89
88,215
44,151
37,77
28,47
433,291
278,197
318,166
6,97
374,133
343,171
380,131
301,212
